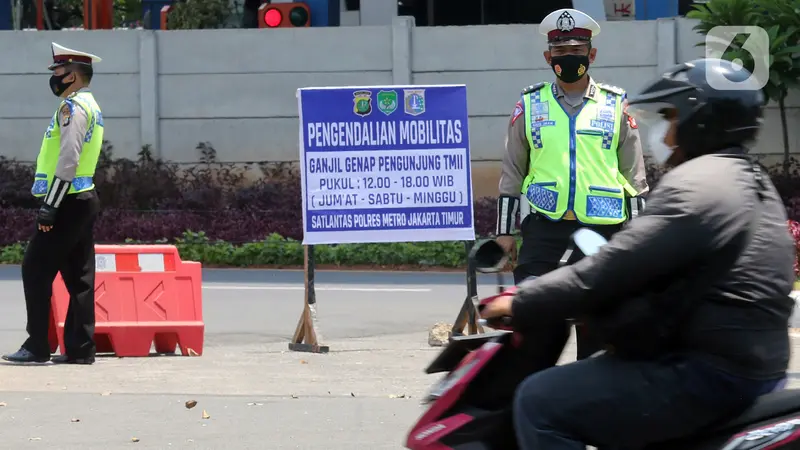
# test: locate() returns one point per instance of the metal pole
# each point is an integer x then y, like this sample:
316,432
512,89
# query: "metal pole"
472,286
431,21
310,264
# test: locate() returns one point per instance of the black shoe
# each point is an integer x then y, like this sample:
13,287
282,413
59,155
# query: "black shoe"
65,359
24,356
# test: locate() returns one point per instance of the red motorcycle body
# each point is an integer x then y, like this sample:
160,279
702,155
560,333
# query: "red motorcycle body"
470,408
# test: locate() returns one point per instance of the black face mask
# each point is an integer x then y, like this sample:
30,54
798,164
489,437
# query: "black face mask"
57,84
570,68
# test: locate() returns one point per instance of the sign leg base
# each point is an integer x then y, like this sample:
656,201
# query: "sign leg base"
306,335
308,348
467,320
468,315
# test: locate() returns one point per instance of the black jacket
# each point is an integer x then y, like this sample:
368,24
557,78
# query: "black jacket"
696,212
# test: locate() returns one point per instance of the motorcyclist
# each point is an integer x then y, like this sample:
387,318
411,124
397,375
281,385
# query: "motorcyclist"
712,211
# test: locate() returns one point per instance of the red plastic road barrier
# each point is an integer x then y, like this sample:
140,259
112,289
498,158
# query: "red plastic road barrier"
143,293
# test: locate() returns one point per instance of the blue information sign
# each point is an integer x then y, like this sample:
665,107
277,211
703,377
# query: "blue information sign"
385,164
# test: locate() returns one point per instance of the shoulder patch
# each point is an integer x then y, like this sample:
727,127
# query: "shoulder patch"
610,88
518,110
65,114
533,88
631,121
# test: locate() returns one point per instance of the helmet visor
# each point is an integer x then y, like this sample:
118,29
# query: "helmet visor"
648,114
654,121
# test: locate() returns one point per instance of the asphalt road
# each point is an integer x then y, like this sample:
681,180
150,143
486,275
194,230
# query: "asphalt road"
241,306
363,395
256,395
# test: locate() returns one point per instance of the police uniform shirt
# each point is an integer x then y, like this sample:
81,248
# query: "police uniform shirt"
517,155
562,27
74,122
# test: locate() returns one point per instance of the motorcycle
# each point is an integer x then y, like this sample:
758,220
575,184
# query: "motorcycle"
470,408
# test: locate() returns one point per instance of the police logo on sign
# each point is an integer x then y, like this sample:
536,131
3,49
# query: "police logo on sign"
362,103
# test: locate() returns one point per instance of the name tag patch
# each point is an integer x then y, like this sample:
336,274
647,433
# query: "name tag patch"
605,125
542,123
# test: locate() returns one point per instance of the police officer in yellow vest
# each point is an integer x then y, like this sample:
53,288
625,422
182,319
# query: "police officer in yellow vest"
576,158
64,240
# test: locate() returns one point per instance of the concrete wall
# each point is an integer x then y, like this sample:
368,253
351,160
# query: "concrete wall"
236,88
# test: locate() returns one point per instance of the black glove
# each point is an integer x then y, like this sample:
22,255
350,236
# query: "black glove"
46,215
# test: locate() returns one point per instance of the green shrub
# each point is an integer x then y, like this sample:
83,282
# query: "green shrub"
276,251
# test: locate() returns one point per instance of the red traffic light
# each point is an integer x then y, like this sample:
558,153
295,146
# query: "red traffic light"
273,18
284,15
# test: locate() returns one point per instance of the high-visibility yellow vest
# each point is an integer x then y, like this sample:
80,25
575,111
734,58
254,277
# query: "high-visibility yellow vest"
573,162
51,147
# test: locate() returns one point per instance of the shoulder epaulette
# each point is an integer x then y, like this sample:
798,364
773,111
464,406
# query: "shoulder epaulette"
610,88
533,88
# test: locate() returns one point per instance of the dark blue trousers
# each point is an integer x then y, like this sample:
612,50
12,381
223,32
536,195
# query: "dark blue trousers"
608,402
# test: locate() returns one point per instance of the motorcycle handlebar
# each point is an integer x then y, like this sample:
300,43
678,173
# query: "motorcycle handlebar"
498,323
489,257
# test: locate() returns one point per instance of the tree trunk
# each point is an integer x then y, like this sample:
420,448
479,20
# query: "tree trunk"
782,108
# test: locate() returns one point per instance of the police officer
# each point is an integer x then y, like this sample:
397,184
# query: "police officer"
576,155
64,240
710,257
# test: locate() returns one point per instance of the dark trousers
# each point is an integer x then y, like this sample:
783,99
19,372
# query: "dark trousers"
543,245
67,248
612,403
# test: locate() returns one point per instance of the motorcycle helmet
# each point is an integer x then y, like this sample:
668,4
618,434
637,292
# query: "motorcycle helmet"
488,256
715,103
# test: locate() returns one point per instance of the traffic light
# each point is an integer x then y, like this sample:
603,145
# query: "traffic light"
284,15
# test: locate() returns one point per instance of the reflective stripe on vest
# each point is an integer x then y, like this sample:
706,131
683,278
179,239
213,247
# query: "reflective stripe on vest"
573,162
47,160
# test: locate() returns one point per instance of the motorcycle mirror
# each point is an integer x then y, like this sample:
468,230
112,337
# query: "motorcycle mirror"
488,256
588,241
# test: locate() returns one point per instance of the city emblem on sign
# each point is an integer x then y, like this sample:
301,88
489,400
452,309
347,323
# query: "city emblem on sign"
414,100
362,103
387,102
